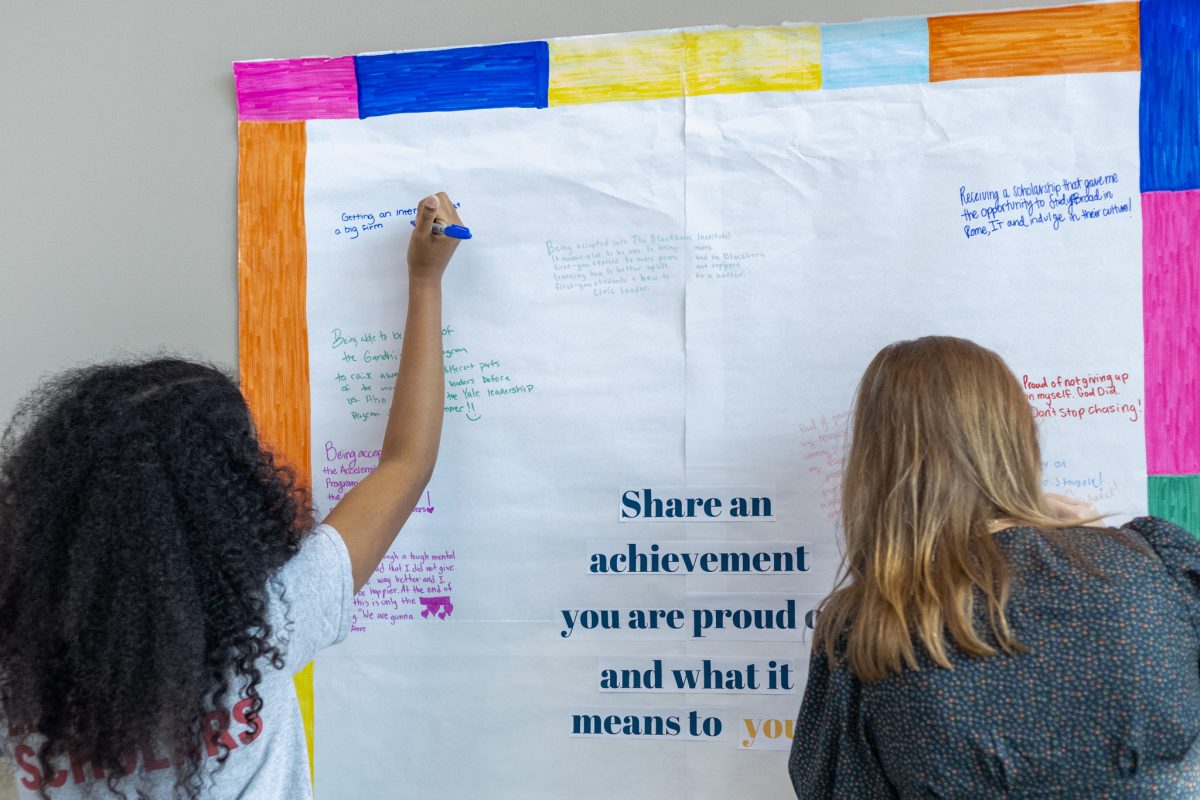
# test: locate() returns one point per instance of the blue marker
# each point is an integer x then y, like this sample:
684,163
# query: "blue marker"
453,231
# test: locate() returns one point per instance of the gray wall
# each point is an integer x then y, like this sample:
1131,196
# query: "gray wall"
118,147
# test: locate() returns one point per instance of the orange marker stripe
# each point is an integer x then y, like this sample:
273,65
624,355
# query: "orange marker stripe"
1091,38
272,320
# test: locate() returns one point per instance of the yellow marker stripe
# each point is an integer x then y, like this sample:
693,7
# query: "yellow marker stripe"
777,59
304,697
600,69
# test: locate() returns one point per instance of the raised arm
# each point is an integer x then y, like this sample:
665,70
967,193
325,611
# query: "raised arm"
372,513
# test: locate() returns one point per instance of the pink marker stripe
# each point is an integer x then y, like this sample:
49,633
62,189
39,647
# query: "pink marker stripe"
296,89
1171,309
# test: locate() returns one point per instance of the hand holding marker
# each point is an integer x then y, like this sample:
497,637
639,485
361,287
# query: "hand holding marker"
453,231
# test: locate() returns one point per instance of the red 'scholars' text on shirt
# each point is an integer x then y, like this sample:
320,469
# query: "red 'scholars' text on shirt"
216,733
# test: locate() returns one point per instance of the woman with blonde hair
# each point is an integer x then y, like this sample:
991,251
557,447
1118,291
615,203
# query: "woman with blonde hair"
983,640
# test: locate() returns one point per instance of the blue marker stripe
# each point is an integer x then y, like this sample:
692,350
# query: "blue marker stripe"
498,76
1170,107
875,53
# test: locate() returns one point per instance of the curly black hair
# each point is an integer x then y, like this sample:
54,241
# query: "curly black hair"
140,523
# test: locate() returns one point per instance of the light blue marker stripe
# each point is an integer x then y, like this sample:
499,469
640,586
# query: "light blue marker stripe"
875,53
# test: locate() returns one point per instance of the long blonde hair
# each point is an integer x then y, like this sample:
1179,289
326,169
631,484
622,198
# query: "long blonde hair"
943,443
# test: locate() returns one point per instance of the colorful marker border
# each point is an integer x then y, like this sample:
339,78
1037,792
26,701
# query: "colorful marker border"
276,97
589,69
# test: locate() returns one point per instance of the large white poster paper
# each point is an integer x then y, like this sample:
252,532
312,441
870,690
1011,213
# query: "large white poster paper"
651,347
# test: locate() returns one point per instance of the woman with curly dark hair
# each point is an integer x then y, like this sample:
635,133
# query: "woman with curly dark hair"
160,576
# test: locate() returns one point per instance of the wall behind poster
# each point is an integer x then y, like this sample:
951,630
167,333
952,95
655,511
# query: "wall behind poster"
134,251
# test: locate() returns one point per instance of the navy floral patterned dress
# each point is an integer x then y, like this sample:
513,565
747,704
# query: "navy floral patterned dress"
1106,703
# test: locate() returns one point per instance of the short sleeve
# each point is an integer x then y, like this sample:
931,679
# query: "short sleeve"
831,755
1180,554
312,597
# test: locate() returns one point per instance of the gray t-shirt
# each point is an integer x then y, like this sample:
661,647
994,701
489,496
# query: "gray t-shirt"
311,599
